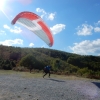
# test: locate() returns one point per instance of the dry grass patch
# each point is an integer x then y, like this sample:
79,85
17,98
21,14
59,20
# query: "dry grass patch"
40,75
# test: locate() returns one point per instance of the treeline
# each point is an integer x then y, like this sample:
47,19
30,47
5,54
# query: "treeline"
61,62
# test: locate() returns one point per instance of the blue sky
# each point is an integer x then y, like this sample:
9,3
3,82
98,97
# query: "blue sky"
75,24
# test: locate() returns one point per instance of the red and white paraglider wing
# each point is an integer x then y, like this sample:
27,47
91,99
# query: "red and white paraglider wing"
35,24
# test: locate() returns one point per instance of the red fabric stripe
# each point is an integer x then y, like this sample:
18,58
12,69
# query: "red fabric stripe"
29,15
47,31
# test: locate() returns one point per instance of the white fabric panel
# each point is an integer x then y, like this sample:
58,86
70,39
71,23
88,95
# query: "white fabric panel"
35,28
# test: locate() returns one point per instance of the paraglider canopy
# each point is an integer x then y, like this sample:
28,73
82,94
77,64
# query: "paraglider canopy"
34,23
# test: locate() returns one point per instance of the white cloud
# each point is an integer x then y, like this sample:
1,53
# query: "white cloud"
97,29
43,46
57,28
40,10
2,32
6,27
84,30
98,23
87,47
15,30
49,16
11,42
26,2
98,54
31,45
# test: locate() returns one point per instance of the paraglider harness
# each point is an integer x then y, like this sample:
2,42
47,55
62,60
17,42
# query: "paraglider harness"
47,69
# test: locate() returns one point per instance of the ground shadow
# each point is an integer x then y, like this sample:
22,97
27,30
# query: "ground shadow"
55,80
97,84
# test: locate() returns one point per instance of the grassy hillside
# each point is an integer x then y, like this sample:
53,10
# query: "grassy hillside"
61,62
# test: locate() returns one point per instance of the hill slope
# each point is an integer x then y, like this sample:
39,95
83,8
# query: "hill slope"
61,62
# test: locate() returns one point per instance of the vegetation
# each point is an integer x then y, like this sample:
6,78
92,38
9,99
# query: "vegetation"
61,62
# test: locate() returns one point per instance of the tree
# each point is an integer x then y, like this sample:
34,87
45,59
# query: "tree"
30,62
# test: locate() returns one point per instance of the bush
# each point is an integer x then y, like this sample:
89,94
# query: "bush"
94,75
83,72
31,62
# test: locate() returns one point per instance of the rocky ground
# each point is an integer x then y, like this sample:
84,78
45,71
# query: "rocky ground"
18,87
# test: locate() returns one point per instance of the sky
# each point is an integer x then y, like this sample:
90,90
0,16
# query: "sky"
75,24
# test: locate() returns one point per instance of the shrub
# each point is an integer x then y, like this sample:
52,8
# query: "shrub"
83,72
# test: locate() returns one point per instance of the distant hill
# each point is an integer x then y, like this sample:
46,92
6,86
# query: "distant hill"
61,62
